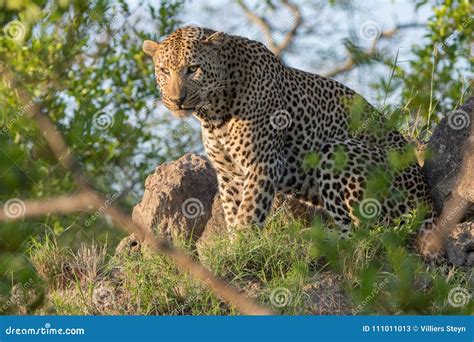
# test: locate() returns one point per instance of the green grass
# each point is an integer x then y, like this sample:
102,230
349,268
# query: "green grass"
292,268
384,275
275,261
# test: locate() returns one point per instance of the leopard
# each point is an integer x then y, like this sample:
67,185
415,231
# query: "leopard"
268,128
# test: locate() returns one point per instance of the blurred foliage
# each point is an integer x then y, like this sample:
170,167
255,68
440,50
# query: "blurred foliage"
439,76
82,64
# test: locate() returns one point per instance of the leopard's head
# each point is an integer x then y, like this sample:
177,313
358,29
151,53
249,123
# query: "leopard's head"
187,63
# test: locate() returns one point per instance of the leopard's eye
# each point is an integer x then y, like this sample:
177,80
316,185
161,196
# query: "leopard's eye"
165,71
192,69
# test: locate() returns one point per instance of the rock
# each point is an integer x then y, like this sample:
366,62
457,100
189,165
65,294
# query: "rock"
182,197
129,245
326,295
215,226
447,151
178,198
460,245
104,297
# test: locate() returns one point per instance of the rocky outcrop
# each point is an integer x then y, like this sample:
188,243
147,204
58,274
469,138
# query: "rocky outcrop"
178,197
447,153
449,170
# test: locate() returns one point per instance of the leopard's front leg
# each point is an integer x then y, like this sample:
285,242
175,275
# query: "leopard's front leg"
262,171
259,190
229,177
230,192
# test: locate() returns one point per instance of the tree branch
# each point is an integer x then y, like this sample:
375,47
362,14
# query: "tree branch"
266,28
350,63
83,201
290,35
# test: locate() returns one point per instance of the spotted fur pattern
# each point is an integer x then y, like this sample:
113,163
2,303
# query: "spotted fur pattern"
262,121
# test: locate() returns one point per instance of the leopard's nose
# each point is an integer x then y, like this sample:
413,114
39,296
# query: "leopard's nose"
178,101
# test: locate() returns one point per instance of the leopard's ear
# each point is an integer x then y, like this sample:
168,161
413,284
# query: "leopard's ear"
217,39
150,47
